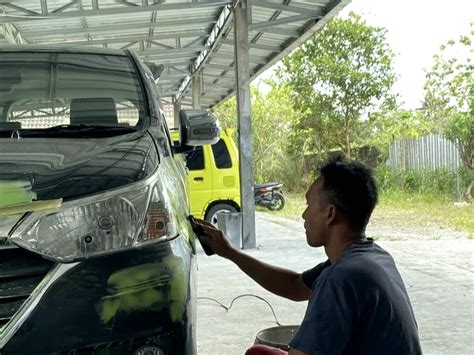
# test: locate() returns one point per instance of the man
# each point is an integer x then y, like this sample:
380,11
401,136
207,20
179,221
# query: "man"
358,303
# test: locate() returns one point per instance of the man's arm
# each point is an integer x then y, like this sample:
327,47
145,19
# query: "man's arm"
282,282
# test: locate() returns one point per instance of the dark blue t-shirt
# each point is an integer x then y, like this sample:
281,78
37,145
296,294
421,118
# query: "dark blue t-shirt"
358,305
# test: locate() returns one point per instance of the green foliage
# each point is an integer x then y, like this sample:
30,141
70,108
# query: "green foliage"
440,182
386,127
449,94
460,130
343,72
272,121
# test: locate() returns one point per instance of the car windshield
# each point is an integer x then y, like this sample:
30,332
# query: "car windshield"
66,94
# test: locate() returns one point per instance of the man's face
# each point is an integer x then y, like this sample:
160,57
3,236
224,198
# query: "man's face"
314,216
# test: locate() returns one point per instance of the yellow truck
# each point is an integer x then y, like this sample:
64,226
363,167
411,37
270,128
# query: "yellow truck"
213,173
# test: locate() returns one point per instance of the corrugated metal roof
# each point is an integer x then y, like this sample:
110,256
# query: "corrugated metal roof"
185,36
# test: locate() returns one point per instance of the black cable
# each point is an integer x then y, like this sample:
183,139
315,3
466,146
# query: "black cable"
240,296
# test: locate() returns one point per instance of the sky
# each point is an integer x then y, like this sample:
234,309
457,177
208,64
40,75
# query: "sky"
415,31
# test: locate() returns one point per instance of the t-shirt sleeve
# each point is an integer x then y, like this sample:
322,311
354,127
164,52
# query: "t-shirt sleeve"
326,327
310,276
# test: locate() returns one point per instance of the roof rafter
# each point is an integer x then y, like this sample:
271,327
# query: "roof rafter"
11,33
282,21
222,24
118,39
32,15
283,7
164,53
264,47
162,24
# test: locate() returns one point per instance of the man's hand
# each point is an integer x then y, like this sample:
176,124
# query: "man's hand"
215,239
282,282
296,352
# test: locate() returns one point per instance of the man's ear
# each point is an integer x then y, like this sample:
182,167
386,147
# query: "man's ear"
331,214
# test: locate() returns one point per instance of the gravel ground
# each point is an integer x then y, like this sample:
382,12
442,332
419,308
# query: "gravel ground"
436,264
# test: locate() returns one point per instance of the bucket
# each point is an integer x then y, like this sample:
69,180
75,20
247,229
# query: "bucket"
277,337
231,224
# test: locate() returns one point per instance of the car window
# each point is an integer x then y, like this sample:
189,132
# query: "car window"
195,159
221,155
43,90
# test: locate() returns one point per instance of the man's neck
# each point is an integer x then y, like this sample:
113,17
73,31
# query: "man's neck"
336,245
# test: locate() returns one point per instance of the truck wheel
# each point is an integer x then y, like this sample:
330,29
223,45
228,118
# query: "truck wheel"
211,215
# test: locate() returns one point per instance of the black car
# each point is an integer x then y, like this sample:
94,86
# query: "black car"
96,252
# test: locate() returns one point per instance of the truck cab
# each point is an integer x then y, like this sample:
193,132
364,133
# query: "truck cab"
213,174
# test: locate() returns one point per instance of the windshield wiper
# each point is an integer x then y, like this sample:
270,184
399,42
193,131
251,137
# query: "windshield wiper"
76,131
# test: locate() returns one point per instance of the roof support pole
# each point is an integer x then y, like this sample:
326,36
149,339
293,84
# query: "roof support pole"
196,87
176,109
244,114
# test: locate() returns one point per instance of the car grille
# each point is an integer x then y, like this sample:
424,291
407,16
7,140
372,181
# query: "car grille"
20,272
129,346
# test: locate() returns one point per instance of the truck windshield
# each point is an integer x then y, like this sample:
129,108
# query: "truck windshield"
42,90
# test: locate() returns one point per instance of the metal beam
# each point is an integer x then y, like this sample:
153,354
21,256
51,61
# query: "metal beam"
176,109
212,43
44,7
220,66
171,77
288,8
170,62
278,31
10,32
165,53
283,21
84,24
257,46
227,57
244,114
126,10
163,25
168,93
207,75
67,6
196,82
18,8
118,39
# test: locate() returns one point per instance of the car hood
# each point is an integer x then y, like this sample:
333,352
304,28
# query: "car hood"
69,168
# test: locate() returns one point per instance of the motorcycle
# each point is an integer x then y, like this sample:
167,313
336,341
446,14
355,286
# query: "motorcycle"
269,195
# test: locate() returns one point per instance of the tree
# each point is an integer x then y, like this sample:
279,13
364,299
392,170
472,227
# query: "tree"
272,117
386,127
343,72
449,97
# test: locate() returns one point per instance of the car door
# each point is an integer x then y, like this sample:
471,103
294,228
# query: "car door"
225,171
200,179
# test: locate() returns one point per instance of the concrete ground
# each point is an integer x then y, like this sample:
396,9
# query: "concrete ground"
438,275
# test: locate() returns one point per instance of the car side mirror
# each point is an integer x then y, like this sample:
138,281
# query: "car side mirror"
156,70
196,128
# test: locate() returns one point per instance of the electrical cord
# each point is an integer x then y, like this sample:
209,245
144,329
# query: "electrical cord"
241,296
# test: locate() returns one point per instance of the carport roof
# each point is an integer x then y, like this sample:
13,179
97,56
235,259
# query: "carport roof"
185,36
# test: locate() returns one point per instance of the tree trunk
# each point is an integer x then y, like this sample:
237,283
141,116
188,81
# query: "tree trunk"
467,196
346,136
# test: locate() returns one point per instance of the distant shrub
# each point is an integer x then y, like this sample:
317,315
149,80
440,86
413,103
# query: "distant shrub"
435,182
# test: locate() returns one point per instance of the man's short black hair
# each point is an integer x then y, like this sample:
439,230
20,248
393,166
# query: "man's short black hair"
351,187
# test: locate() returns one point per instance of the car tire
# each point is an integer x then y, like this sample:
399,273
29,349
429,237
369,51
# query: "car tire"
211,215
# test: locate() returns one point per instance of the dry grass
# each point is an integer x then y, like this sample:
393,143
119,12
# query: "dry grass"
403,210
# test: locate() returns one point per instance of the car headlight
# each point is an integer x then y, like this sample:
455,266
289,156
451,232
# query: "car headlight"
100,224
